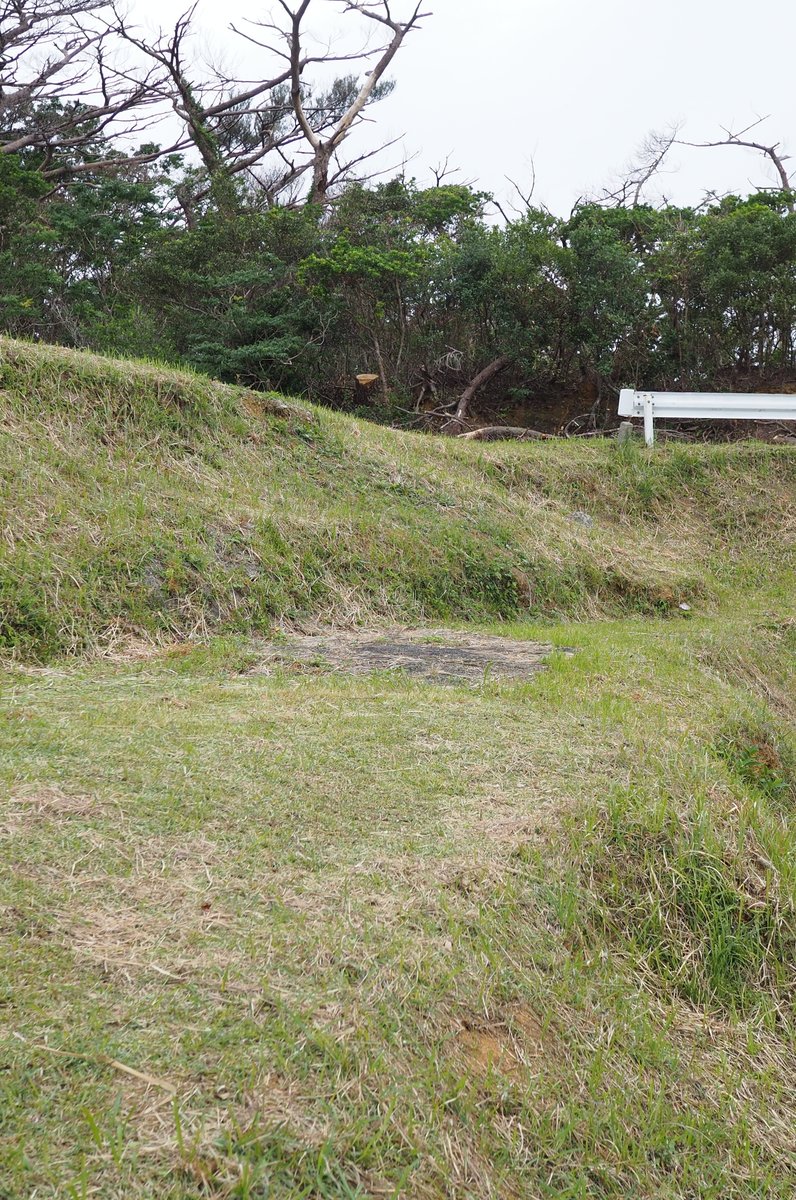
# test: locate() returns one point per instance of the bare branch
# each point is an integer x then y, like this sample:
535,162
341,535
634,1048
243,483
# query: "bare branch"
324,148
527,196
443,170
74,71
58,84
647,163
772,153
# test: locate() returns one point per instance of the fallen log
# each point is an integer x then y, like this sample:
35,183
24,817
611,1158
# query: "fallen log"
501,433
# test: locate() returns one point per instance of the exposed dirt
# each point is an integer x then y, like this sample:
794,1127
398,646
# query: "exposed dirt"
440,655
506,1045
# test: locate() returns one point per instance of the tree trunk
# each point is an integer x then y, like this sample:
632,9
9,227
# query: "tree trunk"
320,174
385,391
504,433
497,365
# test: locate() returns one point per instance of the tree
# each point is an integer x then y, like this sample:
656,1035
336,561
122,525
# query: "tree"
283,128
65,253
612,310
60,86
506,289
326,142
377,269
748,286
227,296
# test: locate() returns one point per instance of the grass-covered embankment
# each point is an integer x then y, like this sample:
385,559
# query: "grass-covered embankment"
140,500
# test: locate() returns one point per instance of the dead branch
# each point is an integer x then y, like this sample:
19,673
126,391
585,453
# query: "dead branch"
238,126
443,170
503,433
772,153
647,163
489,372
526,197
59,86
324,147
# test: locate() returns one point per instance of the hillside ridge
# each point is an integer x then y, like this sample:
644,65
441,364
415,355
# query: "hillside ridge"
142,501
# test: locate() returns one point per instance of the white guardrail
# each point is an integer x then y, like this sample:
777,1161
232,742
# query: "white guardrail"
704,406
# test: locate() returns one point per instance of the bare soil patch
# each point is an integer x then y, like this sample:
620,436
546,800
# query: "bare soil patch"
440,655
507,1045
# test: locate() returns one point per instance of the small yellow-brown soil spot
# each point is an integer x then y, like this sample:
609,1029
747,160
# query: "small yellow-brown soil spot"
265,405
253,407
507,1045
535,1038
486,1050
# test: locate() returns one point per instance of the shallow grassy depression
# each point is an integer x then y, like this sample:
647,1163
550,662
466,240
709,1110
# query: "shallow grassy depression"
273,930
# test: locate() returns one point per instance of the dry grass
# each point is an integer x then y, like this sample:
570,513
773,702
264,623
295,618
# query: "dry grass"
366,929
317,934
145,506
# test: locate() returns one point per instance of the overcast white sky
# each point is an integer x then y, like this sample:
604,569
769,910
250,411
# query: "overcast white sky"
573,85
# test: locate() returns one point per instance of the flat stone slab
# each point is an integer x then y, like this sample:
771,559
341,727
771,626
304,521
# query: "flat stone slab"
440,655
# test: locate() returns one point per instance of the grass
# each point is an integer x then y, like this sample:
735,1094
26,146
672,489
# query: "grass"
317,935
143,502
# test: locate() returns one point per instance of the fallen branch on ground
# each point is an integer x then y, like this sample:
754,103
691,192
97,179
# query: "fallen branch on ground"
501,433
103,1060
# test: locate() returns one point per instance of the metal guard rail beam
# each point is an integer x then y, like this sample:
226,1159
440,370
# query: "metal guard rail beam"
704,406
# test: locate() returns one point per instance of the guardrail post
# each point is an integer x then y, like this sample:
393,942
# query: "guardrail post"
649,427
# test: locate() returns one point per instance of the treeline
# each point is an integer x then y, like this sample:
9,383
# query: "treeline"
203,253
415,286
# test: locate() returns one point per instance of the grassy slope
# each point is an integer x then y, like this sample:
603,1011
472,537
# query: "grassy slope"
371,936
137,499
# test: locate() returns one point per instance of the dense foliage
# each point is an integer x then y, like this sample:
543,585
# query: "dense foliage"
417,286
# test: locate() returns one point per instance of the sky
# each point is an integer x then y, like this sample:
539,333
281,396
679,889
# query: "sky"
567,89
